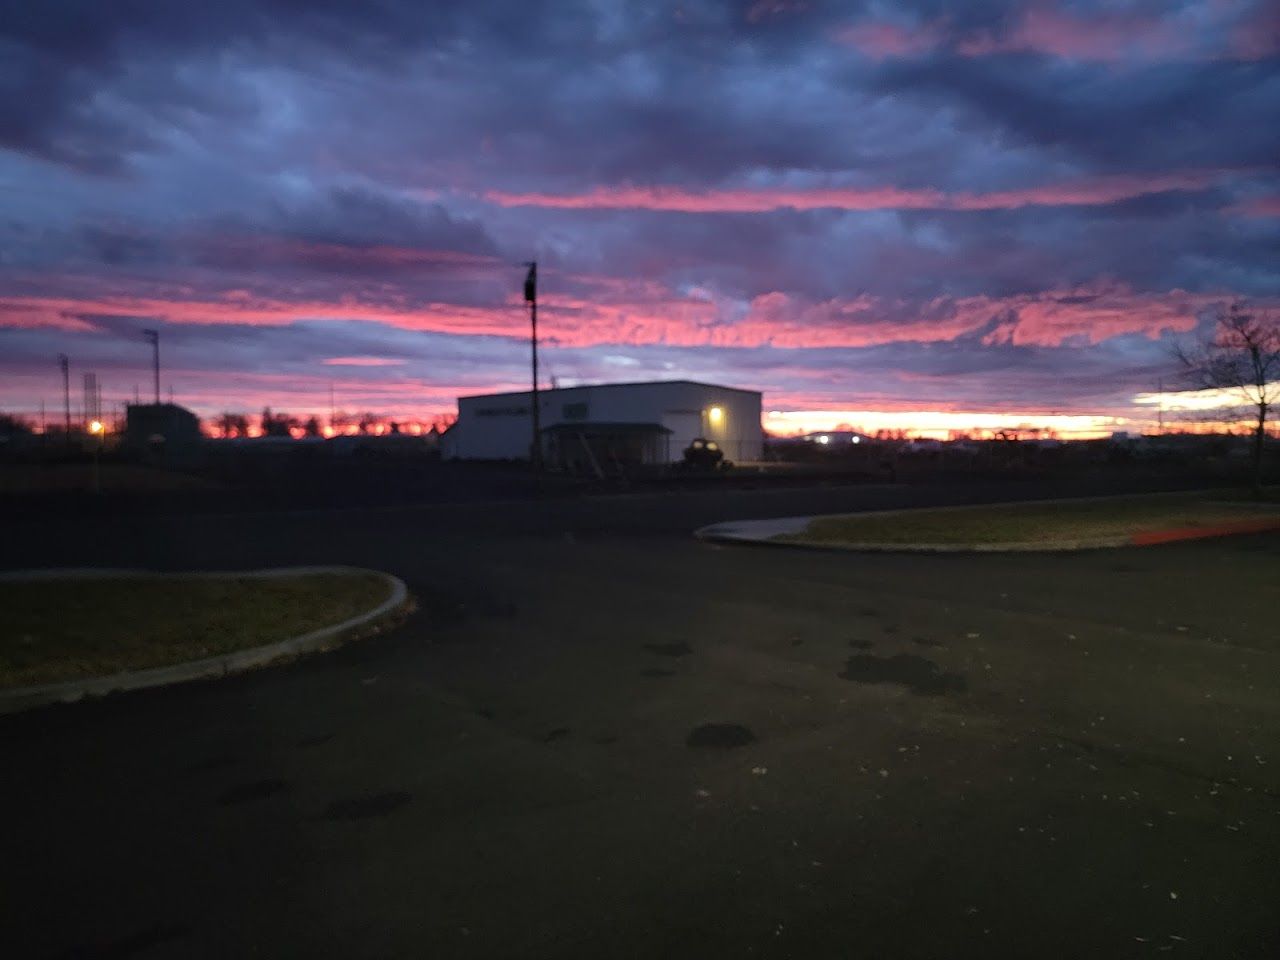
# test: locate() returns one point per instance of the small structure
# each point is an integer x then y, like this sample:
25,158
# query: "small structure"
15,434
599,428
161,429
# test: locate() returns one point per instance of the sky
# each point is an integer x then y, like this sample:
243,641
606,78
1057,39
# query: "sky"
903,214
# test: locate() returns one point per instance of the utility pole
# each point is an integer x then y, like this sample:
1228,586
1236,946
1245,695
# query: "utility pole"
531,297
90,392
65,363
154,337
1160,406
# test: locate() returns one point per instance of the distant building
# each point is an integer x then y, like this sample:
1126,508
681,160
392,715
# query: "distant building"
161,429
15,436
592,428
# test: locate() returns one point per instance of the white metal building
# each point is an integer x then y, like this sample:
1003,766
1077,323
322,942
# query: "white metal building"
619,422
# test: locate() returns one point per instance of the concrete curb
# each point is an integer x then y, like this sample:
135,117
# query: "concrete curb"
326,638
766,532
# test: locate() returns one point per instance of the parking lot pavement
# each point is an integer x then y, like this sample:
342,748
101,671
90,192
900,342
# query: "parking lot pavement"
606,745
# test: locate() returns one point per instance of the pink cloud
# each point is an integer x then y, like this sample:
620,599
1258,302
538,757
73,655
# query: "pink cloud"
1043,319
257,309
644,312
881,39
1106,37
1258,207
361,362
1094,315
1097,191
1258,37
1102,37
722,201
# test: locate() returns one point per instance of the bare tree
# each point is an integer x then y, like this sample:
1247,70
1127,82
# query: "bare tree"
1241,359
233,425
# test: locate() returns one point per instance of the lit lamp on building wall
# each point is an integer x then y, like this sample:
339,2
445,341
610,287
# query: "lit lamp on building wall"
715,416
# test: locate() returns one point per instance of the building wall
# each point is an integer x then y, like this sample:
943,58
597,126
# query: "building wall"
497,426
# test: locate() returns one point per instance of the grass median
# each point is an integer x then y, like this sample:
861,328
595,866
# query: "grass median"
1048,524
65,629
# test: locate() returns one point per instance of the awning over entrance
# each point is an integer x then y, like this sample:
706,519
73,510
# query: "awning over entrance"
604,448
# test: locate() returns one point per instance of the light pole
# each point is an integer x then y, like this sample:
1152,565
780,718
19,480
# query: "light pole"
531,297
65,363
153,336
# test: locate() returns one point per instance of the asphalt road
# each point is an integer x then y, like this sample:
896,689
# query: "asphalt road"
1049,756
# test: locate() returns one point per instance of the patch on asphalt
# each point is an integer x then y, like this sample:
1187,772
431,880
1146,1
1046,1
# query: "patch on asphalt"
925,642
559,733
656,672
722,736
129,946
212,763
862,644
367,807
315,741
678,649
905,669
254,790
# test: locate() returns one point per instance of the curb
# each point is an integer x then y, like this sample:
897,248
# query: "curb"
765,532
222,665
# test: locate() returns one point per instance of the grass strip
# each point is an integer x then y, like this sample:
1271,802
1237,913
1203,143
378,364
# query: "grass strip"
54,630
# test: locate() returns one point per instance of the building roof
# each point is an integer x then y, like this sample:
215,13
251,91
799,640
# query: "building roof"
609,386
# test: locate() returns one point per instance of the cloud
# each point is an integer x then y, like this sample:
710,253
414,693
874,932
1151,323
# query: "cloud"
1123,35
646,313
362,362
1092,192
883,39
1197,117
1108,37
1000,203
1259,207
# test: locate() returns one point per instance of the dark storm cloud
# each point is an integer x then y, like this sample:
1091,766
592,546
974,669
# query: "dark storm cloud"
628,91
613,91
341,232
362,217
1159,117
61,58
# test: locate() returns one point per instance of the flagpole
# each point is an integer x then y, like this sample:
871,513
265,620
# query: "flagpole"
531,295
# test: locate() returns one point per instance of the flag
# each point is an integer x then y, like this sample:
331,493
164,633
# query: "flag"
531,283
